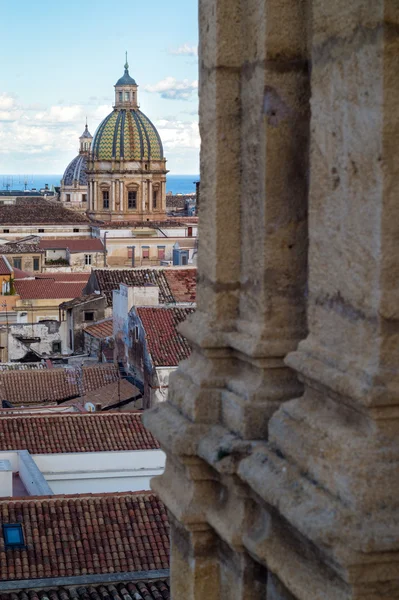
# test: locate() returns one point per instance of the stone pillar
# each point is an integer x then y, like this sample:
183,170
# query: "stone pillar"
95,199
113,195
331,467
121,196
150,206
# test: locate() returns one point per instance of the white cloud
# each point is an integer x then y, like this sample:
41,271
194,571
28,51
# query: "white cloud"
172,89
178,135
184,50
61,114
6,101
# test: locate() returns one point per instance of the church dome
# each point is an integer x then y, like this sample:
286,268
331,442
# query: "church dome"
127,134
76,171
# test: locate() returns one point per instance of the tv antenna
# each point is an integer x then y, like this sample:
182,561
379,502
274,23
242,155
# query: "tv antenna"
25,180
8,183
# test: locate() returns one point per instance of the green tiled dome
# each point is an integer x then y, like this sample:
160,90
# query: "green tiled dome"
127,134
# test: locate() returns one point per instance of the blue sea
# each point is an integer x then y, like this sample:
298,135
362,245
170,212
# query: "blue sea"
177,184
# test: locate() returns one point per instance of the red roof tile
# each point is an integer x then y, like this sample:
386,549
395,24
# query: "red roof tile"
52,385
183,284
128,590
166,345
85,534
70,432
46,289
5,269
78,276
101,329
73,245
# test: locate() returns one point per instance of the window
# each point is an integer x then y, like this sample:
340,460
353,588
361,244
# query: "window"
6,231
40,231
133,96
190,232
17,263
13,535
184,259
88,259
136,333
68,197
132,199
145,252
106,199
127,96
57,347
154,198
36,264
84,197
161,252
89,316
120,96
76,230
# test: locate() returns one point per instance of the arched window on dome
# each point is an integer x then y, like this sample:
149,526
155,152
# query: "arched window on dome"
127,96
120,96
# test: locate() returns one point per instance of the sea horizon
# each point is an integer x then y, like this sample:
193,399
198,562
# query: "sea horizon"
177,184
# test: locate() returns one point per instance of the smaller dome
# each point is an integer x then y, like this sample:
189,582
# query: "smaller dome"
76,171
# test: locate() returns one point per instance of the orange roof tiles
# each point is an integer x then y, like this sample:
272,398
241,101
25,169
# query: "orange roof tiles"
130,590
46,289
85,534
101,329
73,432
183,284
166,345
52,385
73,245
5,269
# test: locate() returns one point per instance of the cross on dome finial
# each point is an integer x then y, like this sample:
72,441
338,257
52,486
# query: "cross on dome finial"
126,63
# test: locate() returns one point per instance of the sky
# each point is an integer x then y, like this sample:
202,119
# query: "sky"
60,60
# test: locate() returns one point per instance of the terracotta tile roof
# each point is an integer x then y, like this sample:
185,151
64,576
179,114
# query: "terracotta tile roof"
101,329
73,245
80,300
56,276
75,432
166,345
19,274
129,590
20,248
35,289
109,280
5,269
108,395
85,534
183,284
40,212
52,385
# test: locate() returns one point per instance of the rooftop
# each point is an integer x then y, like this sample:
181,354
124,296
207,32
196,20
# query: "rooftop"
100,330
85,534
166,345
73,245
47,289
39,212
5,268
53,385
128,590
172,288
20,248
80,300
75,432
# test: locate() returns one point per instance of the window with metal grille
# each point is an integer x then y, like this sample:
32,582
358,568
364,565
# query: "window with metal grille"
132,199
88,258
36,264
106,199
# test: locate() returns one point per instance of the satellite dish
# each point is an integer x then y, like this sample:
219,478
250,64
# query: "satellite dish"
89,406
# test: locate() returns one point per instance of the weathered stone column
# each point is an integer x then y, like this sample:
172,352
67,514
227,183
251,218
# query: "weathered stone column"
254,97
331,469
121,196
113,195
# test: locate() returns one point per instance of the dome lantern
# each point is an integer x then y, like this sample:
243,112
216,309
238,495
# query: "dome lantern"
126,91
85,141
